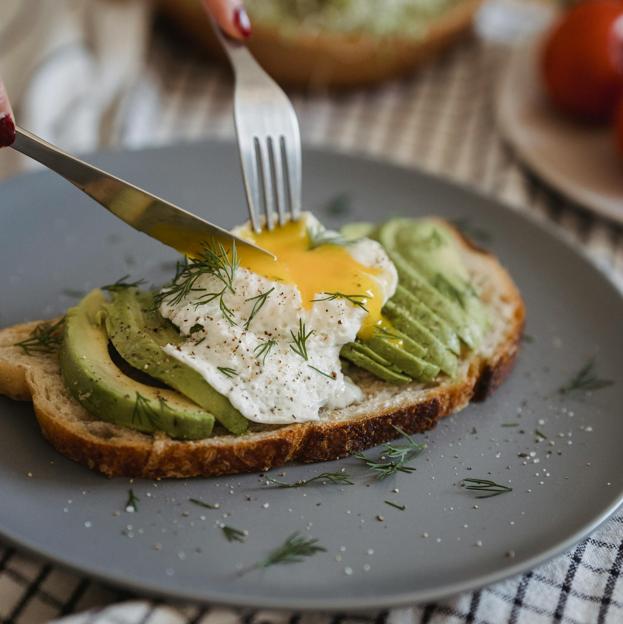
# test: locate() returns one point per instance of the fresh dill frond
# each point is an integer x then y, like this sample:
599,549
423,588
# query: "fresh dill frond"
263,349
396,505
132,503
329,375
46,337
585,380
228,372
233,535
258,303
144,412
200,503
339,205
215,260
357,300
539,434
335,478
294,550
318,236
490,488
393,459
299,340
122,284
226,311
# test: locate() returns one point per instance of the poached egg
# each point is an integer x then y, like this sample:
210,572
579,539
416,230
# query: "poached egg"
271,341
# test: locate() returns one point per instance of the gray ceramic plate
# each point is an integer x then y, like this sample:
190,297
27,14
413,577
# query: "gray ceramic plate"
54,242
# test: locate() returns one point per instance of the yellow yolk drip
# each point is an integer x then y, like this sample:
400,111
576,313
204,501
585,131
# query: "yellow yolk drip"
317,273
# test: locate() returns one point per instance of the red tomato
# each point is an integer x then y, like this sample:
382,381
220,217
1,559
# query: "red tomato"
618,126
583,60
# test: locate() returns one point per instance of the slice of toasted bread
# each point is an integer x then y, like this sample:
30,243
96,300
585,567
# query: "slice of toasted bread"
118,451
331,59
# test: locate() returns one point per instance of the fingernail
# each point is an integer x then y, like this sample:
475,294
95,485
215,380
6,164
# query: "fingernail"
242,22
7,130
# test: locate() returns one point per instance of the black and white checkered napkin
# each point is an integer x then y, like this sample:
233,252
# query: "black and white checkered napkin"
147,92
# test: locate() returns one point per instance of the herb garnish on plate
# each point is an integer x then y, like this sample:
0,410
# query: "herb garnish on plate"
585,380
337,478
488,487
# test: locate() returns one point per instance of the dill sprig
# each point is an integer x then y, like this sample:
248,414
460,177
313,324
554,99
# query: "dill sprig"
233,535
329,375
293,550
490,488
394,458
46,337
132,503
144,411
585,380
258,303
214,259
227,371
122,284
263,349
396,505
335,478
200,503
299,340
357,300
318,236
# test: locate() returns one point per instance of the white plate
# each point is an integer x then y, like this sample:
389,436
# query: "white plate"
579,161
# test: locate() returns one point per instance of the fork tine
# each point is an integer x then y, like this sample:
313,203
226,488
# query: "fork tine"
279,179
291,153
266,180
251,183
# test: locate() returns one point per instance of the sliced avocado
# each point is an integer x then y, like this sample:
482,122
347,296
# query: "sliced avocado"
395,353
105,391
422,313
373,363
359,229
429,249
451,312
138,333
438,353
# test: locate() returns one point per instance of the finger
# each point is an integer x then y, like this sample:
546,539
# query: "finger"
7,125
231,16
5,105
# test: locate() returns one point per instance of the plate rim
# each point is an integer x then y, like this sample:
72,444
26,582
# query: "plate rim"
352,605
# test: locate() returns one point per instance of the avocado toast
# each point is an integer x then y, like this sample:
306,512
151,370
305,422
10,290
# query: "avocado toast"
118,402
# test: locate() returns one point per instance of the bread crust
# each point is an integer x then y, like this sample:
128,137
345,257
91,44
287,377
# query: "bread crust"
117,451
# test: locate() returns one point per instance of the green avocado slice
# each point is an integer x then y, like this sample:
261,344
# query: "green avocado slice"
422,313
364,358
425,251
438,354
96,382
393,351
138,333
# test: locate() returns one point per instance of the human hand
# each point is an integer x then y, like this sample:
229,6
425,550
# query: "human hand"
231,16
7,125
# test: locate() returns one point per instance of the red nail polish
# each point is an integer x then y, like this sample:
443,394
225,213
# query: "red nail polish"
242,22
7,130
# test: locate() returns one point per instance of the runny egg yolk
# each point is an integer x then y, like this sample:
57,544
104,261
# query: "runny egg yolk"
320,272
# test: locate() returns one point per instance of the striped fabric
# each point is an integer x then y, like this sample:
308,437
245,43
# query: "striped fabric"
145,90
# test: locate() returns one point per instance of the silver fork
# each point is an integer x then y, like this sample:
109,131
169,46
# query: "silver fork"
269,140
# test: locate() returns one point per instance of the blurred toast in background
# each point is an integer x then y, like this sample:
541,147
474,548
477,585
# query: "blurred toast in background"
308,48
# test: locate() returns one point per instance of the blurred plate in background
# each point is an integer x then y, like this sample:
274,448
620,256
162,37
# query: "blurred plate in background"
578,160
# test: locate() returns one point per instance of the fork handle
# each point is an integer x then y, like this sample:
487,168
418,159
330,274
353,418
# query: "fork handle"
241,60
